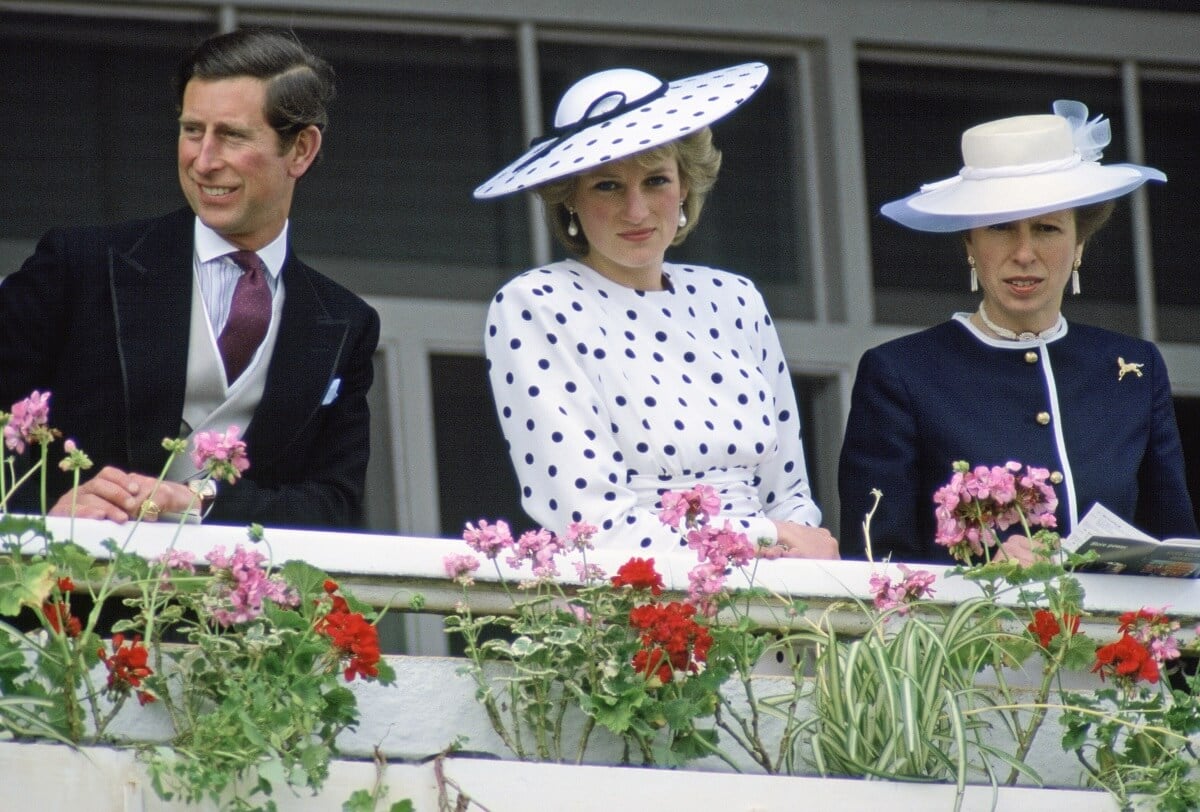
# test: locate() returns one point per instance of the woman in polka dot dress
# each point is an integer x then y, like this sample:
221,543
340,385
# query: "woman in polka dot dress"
619,376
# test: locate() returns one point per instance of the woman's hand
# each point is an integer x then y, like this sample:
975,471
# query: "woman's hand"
802,541
1018,549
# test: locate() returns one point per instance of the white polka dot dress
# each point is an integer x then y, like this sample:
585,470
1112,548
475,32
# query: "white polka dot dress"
608,396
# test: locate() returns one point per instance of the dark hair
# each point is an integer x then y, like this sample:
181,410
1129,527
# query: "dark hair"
1090,219
299,83
698,161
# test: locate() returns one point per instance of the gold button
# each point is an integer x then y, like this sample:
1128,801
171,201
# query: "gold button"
1056,477
1031,357
1043,418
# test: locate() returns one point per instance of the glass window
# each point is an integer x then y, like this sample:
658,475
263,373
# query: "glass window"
1172,121
751,222
475,476
808,389
91,120
1187,412
418,123
913,117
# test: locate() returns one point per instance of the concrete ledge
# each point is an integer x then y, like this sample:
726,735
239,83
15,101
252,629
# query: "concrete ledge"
54,777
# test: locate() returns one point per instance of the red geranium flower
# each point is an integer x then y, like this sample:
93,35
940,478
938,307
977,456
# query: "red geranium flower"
1131,620
651,663
353,637
60,618
1126,658
58,614
1045,625
127,666
639,573
671,640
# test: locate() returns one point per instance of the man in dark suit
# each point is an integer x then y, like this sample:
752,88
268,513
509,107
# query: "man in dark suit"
126,325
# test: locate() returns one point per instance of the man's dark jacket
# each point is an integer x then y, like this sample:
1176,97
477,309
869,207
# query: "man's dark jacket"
99,317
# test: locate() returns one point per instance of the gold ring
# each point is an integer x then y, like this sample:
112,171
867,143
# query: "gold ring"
149,511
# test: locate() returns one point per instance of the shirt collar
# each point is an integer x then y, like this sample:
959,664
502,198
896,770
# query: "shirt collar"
1054,334
210,245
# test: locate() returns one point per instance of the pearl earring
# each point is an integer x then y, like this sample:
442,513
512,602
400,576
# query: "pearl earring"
682,216
572,226
1075,276
974,276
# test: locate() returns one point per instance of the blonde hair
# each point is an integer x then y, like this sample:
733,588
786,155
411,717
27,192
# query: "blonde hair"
698,161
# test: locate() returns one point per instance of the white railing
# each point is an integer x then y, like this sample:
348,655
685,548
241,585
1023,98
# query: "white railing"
431,705
388,570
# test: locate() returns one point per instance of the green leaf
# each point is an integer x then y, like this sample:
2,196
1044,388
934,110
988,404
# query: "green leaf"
359,801
25,585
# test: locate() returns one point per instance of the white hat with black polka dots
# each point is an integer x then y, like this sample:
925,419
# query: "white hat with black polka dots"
617,113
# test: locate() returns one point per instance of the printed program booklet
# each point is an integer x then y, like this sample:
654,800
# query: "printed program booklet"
1125,549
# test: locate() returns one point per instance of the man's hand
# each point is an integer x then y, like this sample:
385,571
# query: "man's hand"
119,496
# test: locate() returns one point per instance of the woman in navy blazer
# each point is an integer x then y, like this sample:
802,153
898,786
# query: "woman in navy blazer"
1013,380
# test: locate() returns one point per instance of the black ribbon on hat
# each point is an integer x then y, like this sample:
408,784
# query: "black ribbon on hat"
560,134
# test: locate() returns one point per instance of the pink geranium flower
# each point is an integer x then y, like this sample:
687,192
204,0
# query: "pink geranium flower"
915,585
240,594
695,506
28,422
977,504
459,567
221,456
588,572
580,535
539,547
722,546
488,540
705,582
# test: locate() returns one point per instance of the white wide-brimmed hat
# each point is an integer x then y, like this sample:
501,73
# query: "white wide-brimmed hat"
1021,167
616,113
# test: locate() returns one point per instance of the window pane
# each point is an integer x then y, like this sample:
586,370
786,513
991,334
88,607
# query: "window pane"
91,120
750,222
1172,118
475,476
418,123
913,118
808,389
1187,413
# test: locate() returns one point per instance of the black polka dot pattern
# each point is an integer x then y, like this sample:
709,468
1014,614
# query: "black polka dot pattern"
594,435
688,105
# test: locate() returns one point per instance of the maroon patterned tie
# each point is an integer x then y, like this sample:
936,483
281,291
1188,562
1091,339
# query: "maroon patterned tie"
249,315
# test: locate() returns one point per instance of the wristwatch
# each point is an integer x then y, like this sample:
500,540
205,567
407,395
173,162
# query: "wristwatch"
207,491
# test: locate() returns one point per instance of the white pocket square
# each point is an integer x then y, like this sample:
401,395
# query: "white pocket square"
332,392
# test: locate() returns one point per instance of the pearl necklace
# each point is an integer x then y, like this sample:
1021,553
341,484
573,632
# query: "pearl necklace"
1004,332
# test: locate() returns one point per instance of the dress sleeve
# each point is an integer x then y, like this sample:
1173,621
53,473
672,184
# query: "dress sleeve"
1164,507
880,451
783,477
556,423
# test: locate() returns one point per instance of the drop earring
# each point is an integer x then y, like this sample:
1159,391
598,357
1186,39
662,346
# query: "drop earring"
682,216
1075,276
974,276
572,226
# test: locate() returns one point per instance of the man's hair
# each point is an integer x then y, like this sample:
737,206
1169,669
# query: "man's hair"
299,83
